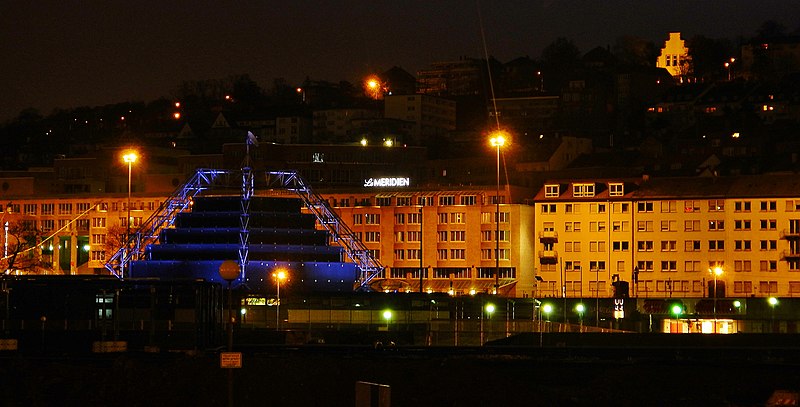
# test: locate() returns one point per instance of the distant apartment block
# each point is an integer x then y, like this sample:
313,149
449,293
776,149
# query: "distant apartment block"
770,58
524,113
463,77
430,115
340,125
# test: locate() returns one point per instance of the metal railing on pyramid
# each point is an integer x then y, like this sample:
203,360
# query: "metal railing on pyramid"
163,217
206,179
340,233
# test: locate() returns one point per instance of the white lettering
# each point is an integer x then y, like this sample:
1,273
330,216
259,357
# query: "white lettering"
387,182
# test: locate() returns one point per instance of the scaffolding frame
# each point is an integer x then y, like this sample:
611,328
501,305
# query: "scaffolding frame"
205,179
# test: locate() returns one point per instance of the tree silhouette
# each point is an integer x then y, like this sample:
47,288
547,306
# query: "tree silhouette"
560,58
23,254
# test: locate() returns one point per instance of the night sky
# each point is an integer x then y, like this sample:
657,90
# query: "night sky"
69,54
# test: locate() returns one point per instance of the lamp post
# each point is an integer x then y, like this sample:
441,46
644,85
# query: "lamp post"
772,301
229,271
729,66
541,81
421,273
129,158
547,309
716,271
6,211
497,141
387,315
489,308
677,310
279,275
580,309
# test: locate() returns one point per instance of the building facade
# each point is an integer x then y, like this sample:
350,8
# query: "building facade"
69,234
573,238
340,125
674,56
430,115
443,239
666,236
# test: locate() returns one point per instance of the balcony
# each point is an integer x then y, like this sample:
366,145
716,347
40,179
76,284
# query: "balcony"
548,236
790,255
790,234
548,256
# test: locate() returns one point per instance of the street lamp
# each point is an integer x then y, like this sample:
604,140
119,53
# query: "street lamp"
229,271
677,310
716,271
129,158
279,275
729,66
489,309
773,302
387,315
547,309
580,309
541,81
8,209
374,87
498,140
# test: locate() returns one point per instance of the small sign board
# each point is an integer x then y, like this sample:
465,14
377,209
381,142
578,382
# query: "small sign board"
230,360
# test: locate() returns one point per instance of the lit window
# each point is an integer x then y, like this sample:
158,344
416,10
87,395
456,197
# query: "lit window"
583,190
551,191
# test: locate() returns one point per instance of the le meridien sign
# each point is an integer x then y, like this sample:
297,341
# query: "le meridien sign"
386,182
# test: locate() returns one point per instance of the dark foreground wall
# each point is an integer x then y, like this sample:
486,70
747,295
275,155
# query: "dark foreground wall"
319,376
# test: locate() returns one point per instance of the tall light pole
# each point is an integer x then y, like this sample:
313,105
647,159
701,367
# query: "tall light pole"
547,309
229,271
580,309
279,275
489,308
772,301
6,211
677,310
729,66
498,140
716,271
421,230
129,158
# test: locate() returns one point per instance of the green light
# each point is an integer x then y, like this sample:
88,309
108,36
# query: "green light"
677,310
547,308
387,315
772,301
737,304
489,308
580,308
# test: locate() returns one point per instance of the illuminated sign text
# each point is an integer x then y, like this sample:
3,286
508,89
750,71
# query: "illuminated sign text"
387,182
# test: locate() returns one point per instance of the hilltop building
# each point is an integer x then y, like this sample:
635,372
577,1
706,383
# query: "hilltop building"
674,56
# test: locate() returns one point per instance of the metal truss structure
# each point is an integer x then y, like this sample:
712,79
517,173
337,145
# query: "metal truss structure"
163,217
206,179
330,221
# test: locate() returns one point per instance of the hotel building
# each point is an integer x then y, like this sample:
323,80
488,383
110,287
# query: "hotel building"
444,239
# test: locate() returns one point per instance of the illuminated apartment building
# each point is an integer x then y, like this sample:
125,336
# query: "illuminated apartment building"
664,236
76,233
